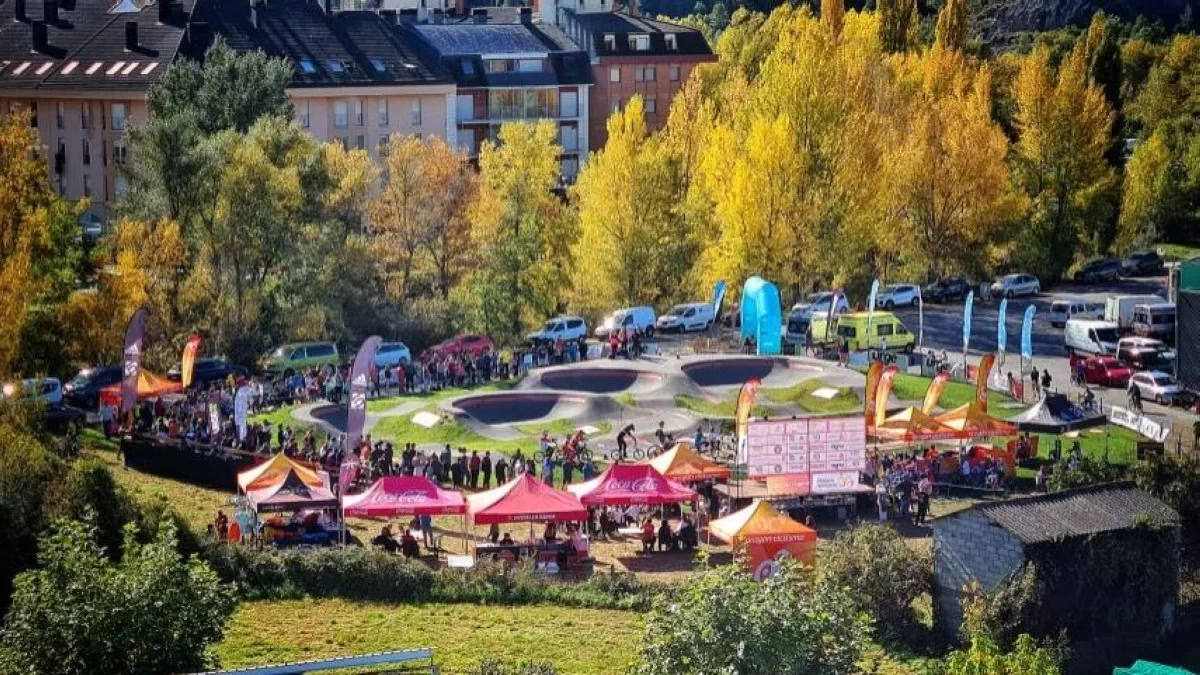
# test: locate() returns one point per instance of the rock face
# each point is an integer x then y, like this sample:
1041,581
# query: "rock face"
999,20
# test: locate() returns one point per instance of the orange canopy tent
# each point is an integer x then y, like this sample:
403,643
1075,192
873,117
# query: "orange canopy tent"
683,465
149,386
971,422
768,536
912,425
275,470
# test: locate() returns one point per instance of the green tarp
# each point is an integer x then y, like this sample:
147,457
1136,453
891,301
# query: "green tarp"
1150,668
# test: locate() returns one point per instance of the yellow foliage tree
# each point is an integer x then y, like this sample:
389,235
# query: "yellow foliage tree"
952,25
1148,193
833,13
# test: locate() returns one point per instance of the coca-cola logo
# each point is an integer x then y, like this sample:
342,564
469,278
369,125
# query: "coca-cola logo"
636,485
406,497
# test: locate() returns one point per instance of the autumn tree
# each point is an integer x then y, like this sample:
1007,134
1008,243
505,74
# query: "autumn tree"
952,25
833,14
898,24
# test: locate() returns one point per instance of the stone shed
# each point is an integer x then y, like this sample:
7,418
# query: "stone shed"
1104,560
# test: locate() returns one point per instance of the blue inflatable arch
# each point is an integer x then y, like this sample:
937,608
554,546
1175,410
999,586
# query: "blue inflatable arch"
761,316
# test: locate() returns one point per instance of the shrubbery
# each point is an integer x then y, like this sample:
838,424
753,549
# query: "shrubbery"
366,574
492,667
883,574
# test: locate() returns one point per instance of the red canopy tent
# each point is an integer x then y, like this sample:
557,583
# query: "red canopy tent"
524,499
404,496
624,484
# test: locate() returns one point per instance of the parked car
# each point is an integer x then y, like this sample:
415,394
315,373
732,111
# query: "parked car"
1091,337
392,354
1142,353
565,328
1103,269
207,370
630,318
945,290
1062,311
797,328
1105,371
47,390
471,344
290,358
1156,386
886,328
1155,321
1119,308
818,304
898,295
1012,285
688,317
1143,263
83,390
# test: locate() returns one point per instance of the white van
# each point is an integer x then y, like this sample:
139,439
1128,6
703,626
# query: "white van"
48,390
1119,308
1091,337
1156,321
630,318
1062,311
683,318
565,328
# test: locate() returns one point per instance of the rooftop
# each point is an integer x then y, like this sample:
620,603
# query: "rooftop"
622,24
458,39
1080,512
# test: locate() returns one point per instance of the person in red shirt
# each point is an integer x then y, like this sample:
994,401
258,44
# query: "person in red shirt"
648,536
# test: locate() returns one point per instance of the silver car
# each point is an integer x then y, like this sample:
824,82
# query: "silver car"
1012,285
1155,385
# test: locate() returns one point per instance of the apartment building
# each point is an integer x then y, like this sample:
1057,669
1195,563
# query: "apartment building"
83,67
629,55
512,71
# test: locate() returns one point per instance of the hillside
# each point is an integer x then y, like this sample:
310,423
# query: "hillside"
998,20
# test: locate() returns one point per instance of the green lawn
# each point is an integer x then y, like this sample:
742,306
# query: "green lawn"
573,640
561,428
389,402
626,400
283,416
801,395
912,388
1179,251
708,408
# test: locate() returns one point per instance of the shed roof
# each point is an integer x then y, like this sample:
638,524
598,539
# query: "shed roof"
1072,513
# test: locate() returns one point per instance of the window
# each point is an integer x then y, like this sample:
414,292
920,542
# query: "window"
468,67
360,142
651,105
307,67
383,143
568,138
87,153
883,330
639,43
335,66
615,106
644,74
119,152
522,103
341,114
87,185
302,114
529,66
84,115
499,66
415,113
464,107
381,110
59,113
358,112
119,186
610,42
673,72
614,74
377,64
568,104
33,120
672,42
118,117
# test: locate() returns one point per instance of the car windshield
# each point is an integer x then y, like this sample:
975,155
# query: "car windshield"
550,326
280,353
678,309
1107,334
1163,380
1060,307
83,378
814,298
892,288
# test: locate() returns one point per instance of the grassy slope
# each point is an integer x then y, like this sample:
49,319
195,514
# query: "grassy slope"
912,388
1179,251
801,394
561,428
389,402
709,408
460,635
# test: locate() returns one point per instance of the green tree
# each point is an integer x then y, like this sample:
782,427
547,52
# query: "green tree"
80,613
883,574
723,621
984,657
1153,195
87,491
26,471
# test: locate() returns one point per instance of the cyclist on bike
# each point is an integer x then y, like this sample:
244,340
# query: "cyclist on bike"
571,445
1089,398
623,439
698,442
1135,397
661,435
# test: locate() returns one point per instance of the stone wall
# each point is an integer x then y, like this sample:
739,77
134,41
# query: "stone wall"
968,548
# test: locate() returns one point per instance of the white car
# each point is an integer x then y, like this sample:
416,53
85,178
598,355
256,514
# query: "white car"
48,390
1155,385
391,354
897,295
1062,311
818,303
629,318
565,328
684,318
1012,285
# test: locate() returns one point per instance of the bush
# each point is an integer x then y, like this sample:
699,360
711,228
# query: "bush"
1086,472
723,621
88,489
984,657
79,613
26,471
1176,481
883,574
492,667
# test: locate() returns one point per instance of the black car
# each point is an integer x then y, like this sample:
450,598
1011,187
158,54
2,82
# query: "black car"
205,371
945,290
1106,269
56,418
83,391
1143,263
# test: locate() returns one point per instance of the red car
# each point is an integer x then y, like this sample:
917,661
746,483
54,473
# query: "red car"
1105,371
471,344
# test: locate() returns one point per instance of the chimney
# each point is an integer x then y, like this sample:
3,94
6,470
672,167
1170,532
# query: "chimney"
41,39
131,39
408,16
164,11
526,15
50,12
479,15
19,11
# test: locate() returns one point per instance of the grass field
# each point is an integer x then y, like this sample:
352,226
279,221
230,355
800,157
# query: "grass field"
801,395
709,408
574,640
388,402
1179,251
561,428
913,387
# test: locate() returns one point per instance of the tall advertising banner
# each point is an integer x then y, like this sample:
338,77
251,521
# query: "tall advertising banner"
717,299
214,415
920,319
833,303
1002,328
881,396
741,415
968,307
874,372
359,386
188,361
934,392
981,380
241,410
131,366
1027,332
871,305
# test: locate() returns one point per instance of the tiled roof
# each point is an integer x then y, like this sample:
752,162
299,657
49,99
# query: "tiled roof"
1071,513
621,24
86,44
357,48
469,38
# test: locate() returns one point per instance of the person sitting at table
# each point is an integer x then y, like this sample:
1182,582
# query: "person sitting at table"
648,536
385,540
606,523
494,533
666,538
686,536
409,545
551,534
507,540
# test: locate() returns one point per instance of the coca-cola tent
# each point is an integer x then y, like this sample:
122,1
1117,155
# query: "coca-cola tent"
624,484
291,494
404,496
524,499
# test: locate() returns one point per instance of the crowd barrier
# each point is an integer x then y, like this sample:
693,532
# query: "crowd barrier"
200,464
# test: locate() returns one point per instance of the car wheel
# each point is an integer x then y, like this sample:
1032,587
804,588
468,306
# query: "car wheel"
889,305
1009,294
1160,399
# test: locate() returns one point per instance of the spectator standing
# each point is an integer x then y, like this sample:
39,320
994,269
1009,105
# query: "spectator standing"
881,501
474,466
548,470
501,470
1033,379
485,467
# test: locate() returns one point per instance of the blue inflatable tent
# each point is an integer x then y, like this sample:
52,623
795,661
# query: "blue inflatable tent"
761,317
